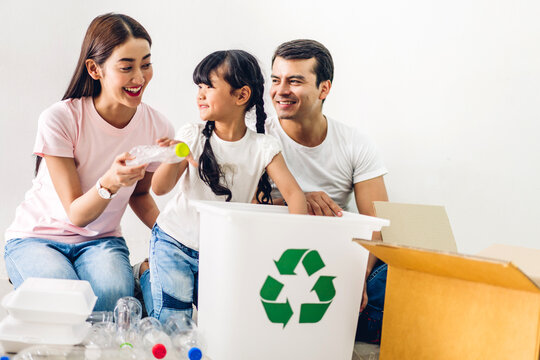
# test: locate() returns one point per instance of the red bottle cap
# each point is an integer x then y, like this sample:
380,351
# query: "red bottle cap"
159,351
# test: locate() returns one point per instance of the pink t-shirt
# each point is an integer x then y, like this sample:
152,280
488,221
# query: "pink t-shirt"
73,128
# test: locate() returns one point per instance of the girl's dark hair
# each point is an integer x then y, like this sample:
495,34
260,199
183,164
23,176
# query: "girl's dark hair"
239,68
104,34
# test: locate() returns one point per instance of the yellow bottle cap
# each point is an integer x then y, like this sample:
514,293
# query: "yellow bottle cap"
181,150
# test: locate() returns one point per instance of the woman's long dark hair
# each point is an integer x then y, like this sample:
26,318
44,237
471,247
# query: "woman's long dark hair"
239,69
104,34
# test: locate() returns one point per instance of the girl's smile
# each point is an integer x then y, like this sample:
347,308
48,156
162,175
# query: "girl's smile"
216,101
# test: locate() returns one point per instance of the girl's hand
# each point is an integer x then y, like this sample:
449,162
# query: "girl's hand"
165,141
119,175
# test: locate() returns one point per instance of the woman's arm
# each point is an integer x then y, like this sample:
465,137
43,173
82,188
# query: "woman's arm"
83,208
142,203
287,185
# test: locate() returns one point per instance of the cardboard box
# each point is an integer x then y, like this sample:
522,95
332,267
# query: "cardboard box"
444,305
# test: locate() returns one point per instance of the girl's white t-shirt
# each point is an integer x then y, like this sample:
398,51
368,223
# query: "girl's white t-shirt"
243,162
73,128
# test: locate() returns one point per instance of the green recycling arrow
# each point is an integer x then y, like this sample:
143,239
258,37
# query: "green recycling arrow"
289,260
279,313
271,289
312,262
312,313
324,288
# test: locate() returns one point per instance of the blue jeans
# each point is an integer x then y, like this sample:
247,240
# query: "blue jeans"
104,263
173,279
369,326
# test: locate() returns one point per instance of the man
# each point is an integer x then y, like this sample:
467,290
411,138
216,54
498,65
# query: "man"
330,160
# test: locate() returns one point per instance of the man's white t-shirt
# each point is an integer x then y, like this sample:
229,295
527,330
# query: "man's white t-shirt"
243,162
344,158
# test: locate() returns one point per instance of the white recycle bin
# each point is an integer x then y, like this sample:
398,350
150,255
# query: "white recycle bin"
279,286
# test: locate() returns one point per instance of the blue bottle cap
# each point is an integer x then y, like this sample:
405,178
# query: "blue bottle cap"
193,354
4,358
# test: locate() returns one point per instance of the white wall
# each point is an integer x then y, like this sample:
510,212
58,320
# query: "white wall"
449,90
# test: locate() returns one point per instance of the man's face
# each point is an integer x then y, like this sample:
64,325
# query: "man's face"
294,92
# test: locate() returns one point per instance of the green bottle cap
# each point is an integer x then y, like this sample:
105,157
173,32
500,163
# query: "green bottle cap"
181,150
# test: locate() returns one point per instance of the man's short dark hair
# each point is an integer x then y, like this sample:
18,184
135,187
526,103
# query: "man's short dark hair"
307,49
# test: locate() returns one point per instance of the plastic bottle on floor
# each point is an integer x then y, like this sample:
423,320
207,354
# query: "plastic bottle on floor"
185,336
145,154
127,314
154,340
99,317
99,338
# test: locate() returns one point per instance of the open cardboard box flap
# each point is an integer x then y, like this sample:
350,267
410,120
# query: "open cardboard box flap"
527,260
447,264
443,305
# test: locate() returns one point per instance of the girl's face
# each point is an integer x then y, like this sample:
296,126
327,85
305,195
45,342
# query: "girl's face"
126,73
216,102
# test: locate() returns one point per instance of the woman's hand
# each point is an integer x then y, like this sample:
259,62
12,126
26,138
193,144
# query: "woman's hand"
120,175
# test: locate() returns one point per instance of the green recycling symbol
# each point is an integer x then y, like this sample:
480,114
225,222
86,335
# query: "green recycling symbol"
281,313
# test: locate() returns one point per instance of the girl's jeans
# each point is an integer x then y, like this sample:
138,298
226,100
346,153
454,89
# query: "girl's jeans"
104,263
172,285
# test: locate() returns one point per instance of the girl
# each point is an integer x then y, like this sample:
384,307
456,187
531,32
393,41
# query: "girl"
232,163
68,226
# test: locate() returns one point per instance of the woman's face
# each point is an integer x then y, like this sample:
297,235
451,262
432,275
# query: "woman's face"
126,73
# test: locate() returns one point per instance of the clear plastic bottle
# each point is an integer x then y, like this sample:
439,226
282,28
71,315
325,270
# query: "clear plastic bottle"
127,314
99,339
99,317
51,352
185,336
154,340
145,154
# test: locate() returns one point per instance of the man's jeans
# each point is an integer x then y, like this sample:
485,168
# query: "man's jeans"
172,285
103,262
370,320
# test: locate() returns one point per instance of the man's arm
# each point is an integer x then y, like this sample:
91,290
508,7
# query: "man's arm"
365,193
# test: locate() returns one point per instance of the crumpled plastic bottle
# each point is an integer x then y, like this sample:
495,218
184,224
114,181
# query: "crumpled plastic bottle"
155,342
145,154
185,336
99,339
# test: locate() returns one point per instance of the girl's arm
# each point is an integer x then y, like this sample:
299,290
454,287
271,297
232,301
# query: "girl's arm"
142,203
83,208
287,185
167,175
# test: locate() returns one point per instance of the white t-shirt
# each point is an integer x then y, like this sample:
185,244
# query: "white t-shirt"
243,162
73,128
344,158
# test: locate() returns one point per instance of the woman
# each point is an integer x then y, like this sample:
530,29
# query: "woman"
68,226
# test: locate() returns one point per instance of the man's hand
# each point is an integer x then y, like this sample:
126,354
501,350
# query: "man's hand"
364,298
320,204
